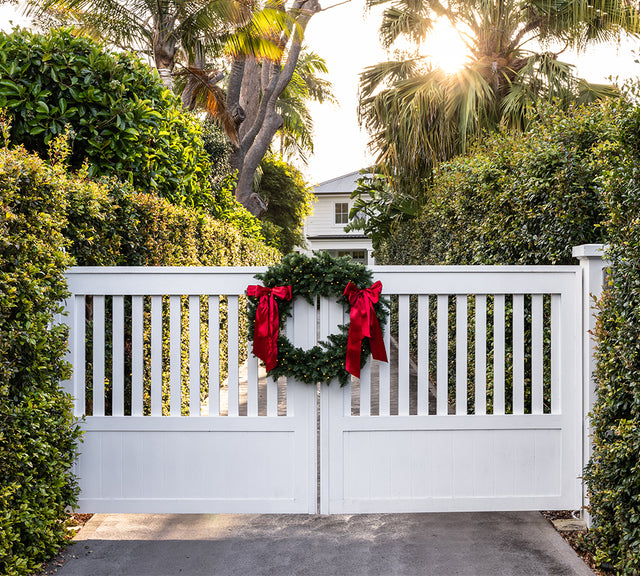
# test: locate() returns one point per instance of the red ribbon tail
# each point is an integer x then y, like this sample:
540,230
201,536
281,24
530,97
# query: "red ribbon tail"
376,341
354,345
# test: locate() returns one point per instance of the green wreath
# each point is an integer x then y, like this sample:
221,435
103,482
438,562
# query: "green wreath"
320,275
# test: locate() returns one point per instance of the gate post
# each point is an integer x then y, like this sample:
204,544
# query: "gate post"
593,266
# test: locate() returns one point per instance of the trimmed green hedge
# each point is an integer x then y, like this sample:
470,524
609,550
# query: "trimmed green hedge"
37,434
613,473
517,198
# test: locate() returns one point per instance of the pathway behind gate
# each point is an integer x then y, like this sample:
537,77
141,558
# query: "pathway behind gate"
448,544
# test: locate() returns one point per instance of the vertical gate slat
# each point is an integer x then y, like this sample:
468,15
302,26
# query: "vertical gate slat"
137,362
232,348
272,385
365,389
79,352
481,355
537,361
384,390
518,353
461,354
156,355
214,355
423,354
498,354
194,355
442,354
252,381
403,355
175,353
98,356
117,356
556,343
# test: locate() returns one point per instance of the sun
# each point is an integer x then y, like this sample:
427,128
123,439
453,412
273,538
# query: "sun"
445,47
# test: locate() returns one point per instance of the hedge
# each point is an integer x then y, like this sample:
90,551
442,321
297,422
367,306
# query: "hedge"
517,198
613,473
37,434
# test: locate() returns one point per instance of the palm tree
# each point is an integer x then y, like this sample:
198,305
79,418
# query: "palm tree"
418,115
168,30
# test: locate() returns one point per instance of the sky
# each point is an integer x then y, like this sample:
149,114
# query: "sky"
347,38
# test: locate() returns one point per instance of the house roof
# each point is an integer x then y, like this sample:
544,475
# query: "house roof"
340,185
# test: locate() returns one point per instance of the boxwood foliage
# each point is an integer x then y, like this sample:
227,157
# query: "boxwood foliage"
613,473
37,434
123,120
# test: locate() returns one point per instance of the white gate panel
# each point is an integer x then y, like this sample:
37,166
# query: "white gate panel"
142,342
146,465
415,442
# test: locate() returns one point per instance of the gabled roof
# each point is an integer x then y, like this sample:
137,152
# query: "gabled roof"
340,185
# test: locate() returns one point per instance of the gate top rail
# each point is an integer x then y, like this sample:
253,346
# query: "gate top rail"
160,280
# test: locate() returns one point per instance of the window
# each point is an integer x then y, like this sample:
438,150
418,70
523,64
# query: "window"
357,255
341,212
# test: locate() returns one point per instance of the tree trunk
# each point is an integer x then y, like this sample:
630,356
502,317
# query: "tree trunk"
254,89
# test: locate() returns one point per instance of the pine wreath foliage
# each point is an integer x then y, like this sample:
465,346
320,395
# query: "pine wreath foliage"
309,278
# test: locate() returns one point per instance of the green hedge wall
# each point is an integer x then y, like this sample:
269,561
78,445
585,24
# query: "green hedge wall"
517,198
37,435
613,473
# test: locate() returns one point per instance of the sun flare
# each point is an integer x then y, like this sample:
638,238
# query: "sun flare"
446,48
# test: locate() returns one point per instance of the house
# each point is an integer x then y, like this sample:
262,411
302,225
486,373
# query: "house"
324,228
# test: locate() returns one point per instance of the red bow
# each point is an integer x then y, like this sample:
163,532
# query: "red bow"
364,322
267,324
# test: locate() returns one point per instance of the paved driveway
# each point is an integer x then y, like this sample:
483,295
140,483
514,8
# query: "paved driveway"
465,544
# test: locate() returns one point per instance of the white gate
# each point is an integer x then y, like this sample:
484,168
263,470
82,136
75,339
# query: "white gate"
480,407
154,338
488,417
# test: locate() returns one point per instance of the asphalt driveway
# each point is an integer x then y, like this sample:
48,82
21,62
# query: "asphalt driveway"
448,544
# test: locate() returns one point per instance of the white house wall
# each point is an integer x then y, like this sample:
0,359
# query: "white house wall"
322,221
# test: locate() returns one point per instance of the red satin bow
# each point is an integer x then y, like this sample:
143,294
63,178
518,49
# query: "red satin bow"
364,322
267,324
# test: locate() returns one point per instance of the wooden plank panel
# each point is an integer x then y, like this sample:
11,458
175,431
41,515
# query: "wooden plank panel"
403,355
537,359
175,352
442,341
498,354
461,354
137,356
233,335
117,356
156,355
481,355
194,355
98,356
518,353
214,355
423,354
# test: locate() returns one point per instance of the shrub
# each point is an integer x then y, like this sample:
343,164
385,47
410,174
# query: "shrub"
517,198
37,435
613,473
124,121
289,201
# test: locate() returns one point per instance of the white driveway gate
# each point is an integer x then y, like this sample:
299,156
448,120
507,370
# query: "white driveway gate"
480,408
